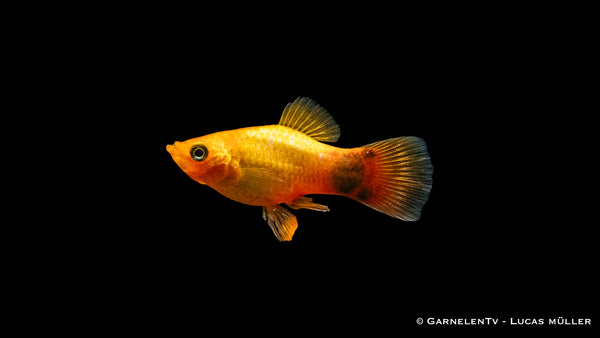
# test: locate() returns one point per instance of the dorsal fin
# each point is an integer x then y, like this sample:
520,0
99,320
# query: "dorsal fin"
306,116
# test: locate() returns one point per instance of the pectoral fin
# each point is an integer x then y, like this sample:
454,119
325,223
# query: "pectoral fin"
282,222
259,180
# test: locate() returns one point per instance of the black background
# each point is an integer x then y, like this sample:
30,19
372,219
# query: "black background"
504,233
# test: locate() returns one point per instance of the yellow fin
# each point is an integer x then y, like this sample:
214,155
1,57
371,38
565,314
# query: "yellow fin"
306,116
304,202
259,180
282,222
401,177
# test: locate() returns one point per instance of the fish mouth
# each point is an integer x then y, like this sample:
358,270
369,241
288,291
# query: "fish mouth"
170,148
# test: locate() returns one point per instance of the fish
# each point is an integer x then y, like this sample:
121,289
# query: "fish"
275,165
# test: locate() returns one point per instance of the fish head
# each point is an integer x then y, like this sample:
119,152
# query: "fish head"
204,159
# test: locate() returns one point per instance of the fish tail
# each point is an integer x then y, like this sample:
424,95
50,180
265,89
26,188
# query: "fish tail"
397,177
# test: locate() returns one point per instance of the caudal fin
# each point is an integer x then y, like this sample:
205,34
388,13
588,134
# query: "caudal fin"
398,177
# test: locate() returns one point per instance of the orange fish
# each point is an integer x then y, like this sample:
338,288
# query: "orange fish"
280,164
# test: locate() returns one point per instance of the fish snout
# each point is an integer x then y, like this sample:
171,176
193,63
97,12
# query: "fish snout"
170,148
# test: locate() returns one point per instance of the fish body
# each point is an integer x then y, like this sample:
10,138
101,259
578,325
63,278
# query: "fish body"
280,164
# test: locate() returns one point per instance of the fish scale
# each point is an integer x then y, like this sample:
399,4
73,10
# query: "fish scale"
291,156
279,164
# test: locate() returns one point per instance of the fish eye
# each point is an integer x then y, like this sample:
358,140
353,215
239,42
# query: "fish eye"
199,152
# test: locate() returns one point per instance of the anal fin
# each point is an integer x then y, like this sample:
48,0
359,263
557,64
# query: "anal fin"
281,221
304,202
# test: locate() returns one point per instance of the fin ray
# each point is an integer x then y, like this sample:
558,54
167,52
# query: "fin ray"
281,221
306,116
304,202
401,177
259,180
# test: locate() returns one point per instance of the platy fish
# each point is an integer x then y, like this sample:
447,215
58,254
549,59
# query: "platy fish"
272,165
